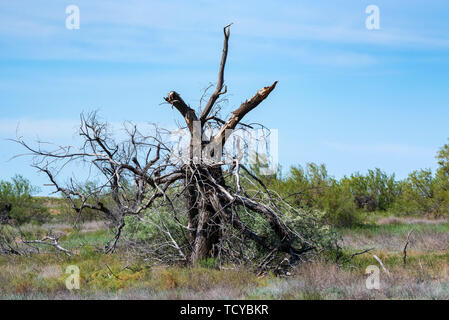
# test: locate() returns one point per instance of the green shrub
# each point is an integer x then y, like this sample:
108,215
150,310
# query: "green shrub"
424,193
311,188
374,191
208,263
340,207
17,195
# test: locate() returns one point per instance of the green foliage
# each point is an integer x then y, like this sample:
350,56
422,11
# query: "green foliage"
17,194
208,263
347,201
156,232
311,188
339,206
443,158
307,200
148,229
424,193
374,191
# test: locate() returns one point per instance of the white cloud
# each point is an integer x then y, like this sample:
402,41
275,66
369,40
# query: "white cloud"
158,31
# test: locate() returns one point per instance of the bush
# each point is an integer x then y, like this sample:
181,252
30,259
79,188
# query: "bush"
17,196
424,193
374,191
443,159
340,207
208,263
313,189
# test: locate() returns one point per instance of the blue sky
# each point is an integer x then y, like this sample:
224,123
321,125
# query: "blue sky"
348,97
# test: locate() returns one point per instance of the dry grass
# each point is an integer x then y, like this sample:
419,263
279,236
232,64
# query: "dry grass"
117,277
420,241
409,220
89,226
320,280
51,271
427,236
424,277
121,276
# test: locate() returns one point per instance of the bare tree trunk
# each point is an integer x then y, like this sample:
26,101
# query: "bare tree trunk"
203,218
203,244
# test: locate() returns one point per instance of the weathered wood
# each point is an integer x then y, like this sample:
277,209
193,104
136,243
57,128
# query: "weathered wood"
238,114
407,242
188,113
220,83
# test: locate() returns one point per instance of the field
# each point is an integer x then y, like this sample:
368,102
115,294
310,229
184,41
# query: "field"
123,276
224,150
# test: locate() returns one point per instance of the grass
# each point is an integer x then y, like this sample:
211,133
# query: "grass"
106,276
320,280
76,239
426,236
372,230
123,276
111,277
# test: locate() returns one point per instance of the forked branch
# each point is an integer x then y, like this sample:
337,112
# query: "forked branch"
220,83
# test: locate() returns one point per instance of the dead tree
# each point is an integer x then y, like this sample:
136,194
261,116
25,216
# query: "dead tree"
49,240
141,173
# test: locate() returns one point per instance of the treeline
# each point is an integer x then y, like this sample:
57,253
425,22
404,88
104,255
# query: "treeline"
350,200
